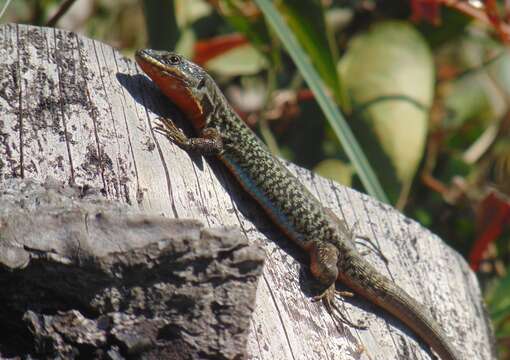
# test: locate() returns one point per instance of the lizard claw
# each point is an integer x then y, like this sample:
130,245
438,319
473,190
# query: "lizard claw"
330,292
328,299
167,128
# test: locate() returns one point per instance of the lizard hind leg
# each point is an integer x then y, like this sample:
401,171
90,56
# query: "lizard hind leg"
323,265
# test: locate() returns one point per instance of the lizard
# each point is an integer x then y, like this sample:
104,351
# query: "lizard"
287,202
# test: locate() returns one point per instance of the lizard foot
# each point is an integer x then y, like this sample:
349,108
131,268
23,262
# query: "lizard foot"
167,127
209,143
328,299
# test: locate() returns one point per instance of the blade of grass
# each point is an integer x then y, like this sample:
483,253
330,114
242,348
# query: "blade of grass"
64,7
6,5
336,120
306,20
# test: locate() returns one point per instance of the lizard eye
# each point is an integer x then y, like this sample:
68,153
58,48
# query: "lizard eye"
173,59
201,83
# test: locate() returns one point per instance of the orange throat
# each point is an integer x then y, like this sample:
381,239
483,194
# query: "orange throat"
177,90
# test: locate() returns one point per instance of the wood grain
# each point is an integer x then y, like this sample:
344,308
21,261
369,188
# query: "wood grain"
78,111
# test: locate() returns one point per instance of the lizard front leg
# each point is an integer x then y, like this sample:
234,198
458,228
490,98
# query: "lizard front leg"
208,143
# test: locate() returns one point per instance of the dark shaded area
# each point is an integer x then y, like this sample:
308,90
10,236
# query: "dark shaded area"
147,94
142,90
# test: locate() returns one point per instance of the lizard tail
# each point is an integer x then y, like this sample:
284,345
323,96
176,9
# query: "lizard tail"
367,282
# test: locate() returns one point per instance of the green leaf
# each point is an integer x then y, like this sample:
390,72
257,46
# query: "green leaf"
337,122
499,300
254,29
499,70
480,92
307,21
335,170
467,98
388,75
189,11
185,44
241,60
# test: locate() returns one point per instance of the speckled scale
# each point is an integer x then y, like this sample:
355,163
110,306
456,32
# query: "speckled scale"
279,192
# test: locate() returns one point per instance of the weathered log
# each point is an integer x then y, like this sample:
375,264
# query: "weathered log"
76,110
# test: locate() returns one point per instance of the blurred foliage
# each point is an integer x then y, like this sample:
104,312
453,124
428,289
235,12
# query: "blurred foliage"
387,72
120,23
428,100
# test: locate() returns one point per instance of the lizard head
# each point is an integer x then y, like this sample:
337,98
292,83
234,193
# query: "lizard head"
183,82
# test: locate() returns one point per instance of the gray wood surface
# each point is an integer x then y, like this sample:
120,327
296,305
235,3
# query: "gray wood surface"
78,111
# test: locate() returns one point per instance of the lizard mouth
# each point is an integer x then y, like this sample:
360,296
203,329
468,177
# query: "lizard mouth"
151,65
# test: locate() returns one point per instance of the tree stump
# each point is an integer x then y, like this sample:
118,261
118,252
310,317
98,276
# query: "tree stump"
76,111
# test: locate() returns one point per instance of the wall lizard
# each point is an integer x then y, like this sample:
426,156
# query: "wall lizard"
288,203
